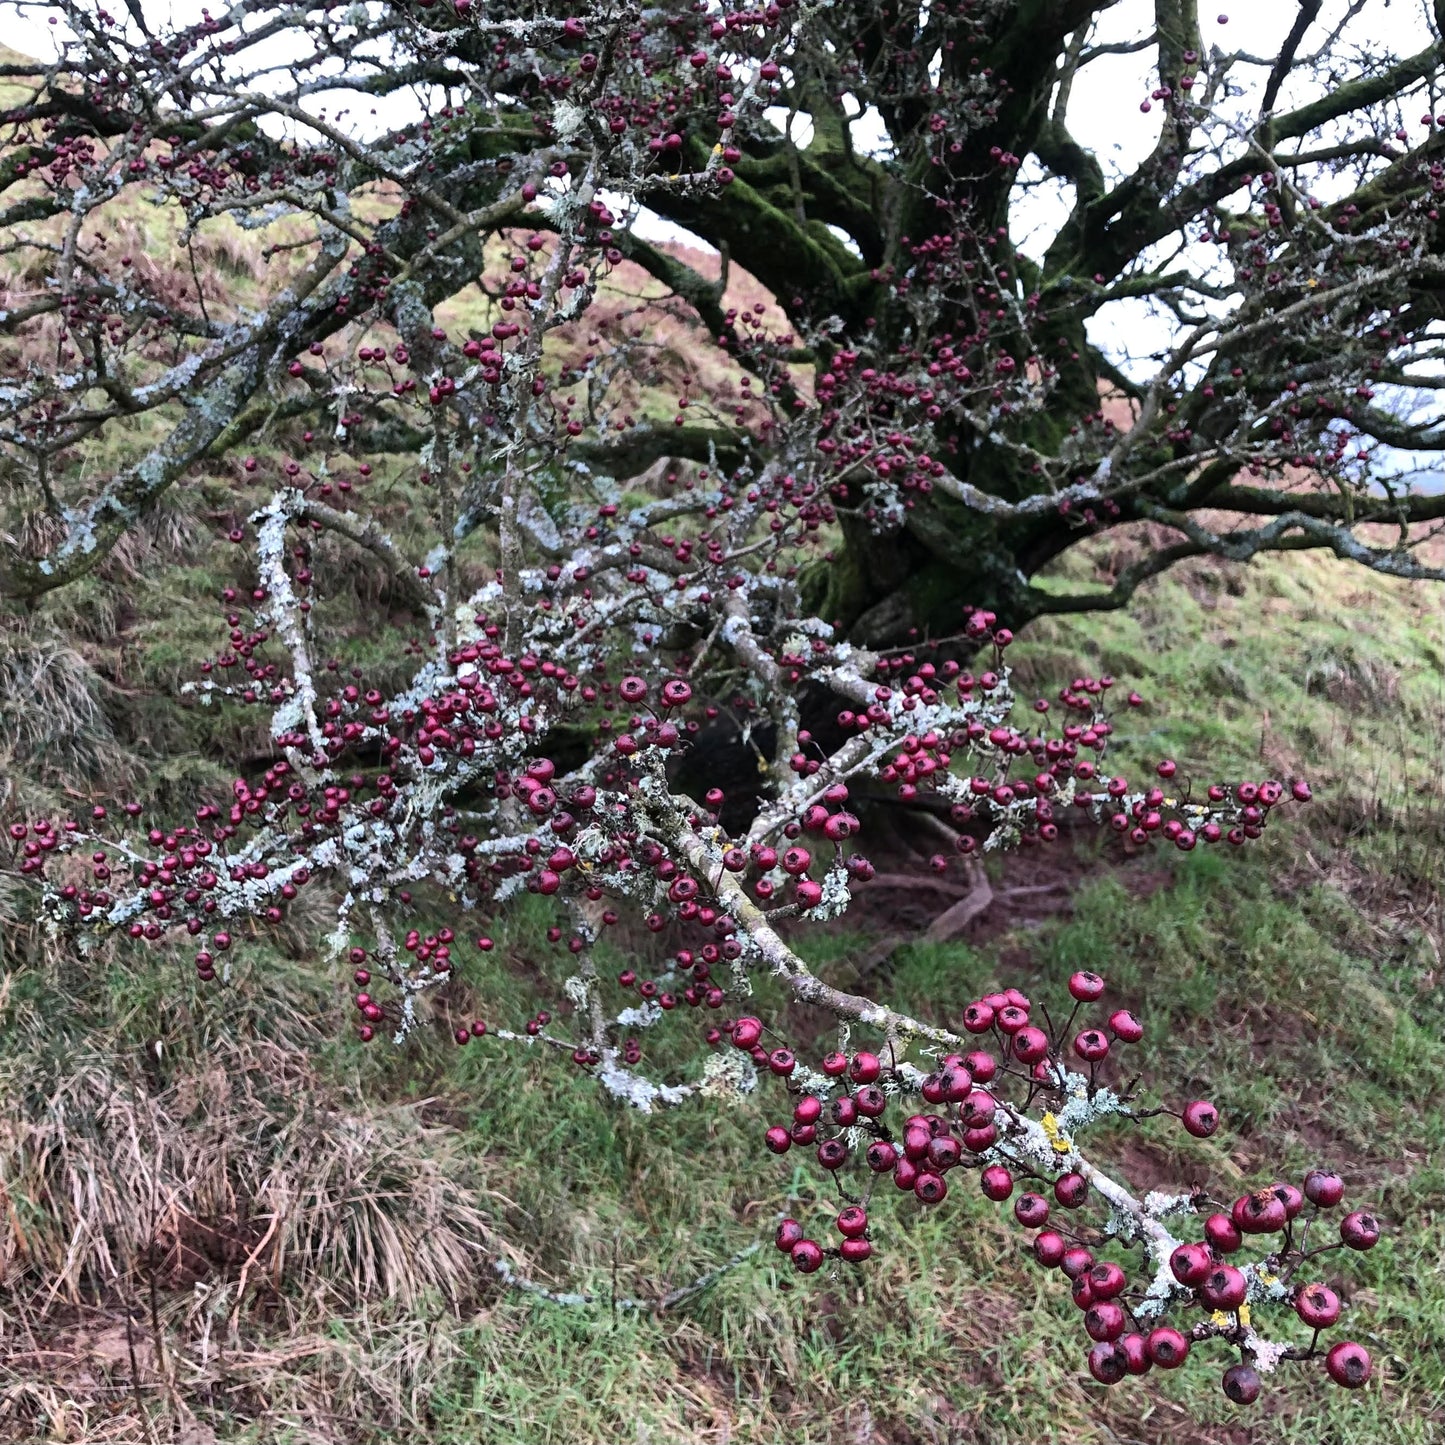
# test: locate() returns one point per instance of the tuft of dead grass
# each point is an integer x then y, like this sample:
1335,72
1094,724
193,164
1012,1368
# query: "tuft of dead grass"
240,1168
53,725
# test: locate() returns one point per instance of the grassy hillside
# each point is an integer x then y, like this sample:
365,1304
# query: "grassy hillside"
301,1232
223,1220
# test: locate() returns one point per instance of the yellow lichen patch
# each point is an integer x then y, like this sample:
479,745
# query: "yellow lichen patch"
1244,1315
1060,1142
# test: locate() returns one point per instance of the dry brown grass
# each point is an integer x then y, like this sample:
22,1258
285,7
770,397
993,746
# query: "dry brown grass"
121,1375
228,1230
53,725
240,1169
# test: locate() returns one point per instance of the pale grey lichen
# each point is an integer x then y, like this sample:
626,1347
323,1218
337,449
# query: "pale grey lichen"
632,1088
835,899
1084,1108
728,1076
642,1017
812,1082
1161,1205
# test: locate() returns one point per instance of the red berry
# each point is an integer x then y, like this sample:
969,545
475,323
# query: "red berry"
943,1152
852,1221
1010,1018
1136,1354
1071,1190
1290,1197
855,1251
806,1256
1076,1261
916,1139
1190,1263
746,1032
1092,1045
1166,1348
978,1109
1222,1233
1108,1364
981,1065
1030,1045
1125,1027
789,1233
778,1140
997,1183
1223,1288
881,1156
978,1018
1348,1364
1201,1118
1323,1188
1258,1213
1104,1320
865,1068
930,1188
1318,1306
1241,1384
1086,986
1048,1248
1360,1230
1031,1210
1107,1280
981,1138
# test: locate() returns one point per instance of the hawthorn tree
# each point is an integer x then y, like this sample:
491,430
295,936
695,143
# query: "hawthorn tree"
940,383
852,508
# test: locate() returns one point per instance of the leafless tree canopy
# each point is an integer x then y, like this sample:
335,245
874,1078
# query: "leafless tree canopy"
936,383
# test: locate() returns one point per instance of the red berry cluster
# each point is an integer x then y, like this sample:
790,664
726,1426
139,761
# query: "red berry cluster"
1003,1111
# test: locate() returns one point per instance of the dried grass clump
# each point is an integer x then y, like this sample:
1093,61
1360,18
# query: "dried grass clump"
239,1168
1351,679
167,532
225,248
189,1244
53,727
188,1376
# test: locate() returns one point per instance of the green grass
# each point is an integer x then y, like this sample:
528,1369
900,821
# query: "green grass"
1297,983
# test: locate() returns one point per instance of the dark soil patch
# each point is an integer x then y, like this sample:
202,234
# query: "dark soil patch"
1031,887
187,1251
1146,1166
